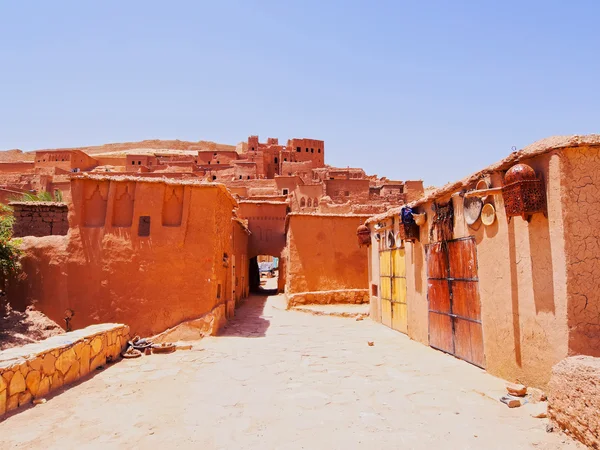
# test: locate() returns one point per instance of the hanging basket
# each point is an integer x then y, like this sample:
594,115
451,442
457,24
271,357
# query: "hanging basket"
364,235
408,232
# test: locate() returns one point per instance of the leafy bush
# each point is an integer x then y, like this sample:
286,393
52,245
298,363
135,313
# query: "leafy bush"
9,248
42,196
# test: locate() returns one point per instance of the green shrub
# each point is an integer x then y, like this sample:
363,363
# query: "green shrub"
9,248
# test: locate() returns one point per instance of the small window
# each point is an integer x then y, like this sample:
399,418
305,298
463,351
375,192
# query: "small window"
276,160
312,150
144,226
298,149
285,192
240,177
253,148
214,177
209,162
374,290
318,150
219,291
215,154
285,159
139,163
347,193
218,162
307,150
302,202
248,177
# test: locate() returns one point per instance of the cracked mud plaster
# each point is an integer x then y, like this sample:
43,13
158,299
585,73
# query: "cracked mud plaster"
581,180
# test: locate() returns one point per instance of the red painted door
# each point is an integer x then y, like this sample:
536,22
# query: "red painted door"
453,294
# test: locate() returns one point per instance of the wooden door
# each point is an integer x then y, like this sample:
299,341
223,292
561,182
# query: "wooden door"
385,283
392,268
453,294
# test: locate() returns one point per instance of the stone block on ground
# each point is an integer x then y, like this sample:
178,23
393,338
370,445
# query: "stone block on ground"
517,390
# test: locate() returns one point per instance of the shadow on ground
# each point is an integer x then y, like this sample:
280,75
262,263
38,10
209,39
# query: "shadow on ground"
24,327
249,320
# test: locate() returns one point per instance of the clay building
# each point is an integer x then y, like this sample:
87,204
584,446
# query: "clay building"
68,160
216,208
150,253
497,269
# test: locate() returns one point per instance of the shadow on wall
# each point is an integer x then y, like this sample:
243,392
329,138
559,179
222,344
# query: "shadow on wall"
417,262
249,321
542,270
514,289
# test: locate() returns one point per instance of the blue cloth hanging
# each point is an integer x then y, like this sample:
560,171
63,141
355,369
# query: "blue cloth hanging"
407,216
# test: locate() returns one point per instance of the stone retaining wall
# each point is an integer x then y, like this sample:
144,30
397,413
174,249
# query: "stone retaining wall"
33,370
356,296
574,398
40,219
195,329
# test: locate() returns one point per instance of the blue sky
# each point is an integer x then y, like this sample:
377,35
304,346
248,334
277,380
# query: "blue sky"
405,89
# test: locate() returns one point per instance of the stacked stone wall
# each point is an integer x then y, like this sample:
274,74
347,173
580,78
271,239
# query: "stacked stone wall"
34,370
40,219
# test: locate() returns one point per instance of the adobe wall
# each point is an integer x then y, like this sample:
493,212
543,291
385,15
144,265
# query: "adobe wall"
355,190
373,276
522,282
266,221
19,167
524,264
308,196
40,219
52,159
83,161
244,171
240,281
217,157
581,179
132,161
413,190
299,169
287,182
323,254
574,398
307,150
32,371
112,160
112,267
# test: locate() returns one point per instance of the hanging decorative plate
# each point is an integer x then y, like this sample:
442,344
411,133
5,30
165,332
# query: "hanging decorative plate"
488,214
472,209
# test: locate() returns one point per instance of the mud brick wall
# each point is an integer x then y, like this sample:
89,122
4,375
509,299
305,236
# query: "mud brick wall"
574,398
34,370
40,219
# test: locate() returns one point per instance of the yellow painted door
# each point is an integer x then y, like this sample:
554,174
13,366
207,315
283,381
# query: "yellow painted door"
392,283
398,278
385,273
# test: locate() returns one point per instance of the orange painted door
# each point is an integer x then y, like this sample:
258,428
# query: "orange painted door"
453,295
